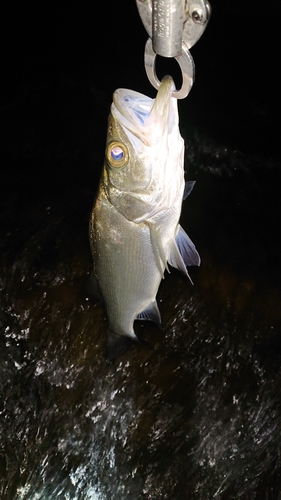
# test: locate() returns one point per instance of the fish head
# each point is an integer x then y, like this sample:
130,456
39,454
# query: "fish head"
144,152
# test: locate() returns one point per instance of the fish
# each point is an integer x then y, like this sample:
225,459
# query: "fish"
134,228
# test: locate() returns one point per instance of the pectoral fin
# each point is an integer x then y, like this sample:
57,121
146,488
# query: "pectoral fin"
183,253
157,247
187,248
151,314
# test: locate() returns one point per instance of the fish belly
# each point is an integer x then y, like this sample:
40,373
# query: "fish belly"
124,265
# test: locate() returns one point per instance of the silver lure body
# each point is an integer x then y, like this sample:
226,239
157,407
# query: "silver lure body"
134,230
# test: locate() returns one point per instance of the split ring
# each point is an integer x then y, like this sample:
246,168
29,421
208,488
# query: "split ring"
185,62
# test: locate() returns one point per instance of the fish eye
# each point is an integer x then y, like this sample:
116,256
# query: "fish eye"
117,154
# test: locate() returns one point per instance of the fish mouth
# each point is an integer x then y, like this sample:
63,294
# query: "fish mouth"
144,117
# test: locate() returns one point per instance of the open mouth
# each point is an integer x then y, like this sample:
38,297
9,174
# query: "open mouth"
142,115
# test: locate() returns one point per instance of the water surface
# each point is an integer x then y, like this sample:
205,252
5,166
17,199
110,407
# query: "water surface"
197,416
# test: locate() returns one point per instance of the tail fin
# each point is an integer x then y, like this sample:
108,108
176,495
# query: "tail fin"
117,345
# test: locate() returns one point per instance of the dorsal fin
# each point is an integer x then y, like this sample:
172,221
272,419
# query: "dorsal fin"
189,185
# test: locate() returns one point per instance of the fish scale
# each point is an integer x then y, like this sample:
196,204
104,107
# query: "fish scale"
134,227
116,264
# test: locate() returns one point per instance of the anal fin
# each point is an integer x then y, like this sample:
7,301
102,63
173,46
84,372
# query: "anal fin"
93,288
151,313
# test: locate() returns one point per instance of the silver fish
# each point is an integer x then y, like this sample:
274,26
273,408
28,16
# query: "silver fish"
134,226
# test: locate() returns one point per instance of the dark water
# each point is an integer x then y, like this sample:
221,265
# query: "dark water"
196,417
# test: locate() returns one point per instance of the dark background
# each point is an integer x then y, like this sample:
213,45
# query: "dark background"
61,62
